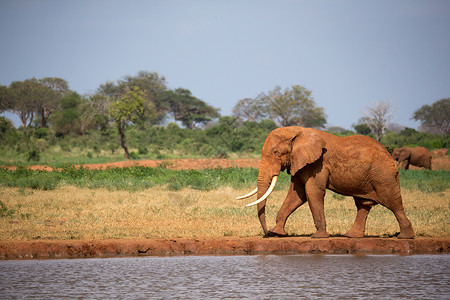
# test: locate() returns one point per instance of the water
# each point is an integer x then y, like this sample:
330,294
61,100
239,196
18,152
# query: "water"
219,277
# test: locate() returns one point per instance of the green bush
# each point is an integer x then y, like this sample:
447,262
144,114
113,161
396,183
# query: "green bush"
34,155
142,150
134,155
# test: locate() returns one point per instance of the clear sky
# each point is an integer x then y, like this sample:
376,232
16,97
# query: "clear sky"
350,53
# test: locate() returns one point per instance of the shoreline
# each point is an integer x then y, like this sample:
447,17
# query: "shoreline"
63,249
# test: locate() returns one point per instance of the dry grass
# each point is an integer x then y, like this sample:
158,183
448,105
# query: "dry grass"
80,213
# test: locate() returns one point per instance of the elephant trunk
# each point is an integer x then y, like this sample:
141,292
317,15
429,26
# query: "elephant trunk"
263,185
267,179
266,184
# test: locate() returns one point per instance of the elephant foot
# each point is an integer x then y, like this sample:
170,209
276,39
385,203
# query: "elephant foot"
407,235
276,233
354,234
320,234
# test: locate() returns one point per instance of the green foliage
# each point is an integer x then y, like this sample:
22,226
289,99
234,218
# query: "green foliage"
140,178
425,180
363,129
9,136
67,118
25,178
291,106
412,138
435,116
189,110
34,155
128,107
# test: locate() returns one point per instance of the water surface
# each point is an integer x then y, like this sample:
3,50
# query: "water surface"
219,277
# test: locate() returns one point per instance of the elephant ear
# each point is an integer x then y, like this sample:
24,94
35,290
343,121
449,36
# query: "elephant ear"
306,149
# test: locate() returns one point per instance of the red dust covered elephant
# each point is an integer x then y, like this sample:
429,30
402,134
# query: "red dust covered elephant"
355,166
419,157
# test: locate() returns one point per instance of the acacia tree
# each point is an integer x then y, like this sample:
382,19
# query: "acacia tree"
127,109
292,106
5,102
67,117
189,110
247,109
95,113
436,116
52,91
23,96
152,87
378,117
33,98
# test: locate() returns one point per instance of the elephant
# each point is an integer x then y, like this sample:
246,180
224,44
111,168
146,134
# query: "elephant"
419,156
355,166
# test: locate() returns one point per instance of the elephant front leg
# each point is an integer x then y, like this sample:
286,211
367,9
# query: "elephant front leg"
315,197
363,206
294,199
403,163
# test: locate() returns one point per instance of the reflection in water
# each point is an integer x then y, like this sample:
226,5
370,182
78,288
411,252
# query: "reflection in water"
261,277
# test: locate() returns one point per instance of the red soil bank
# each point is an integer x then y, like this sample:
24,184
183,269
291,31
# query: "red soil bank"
218,246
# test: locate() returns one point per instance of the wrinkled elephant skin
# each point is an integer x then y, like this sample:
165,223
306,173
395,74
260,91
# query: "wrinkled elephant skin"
419,157
355,166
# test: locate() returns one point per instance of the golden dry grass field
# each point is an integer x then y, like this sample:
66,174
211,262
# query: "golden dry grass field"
69,212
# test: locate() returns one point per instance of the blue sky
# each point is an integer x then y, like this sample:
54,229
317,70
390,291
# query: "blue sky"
351,54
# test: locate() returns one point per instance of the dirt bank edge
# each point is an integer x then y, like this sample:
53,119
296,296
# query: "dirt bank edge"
217,246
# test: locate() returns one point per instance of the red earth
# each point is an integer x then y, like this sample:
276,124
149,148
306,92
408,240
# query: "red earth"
440,162
10,249
218,246
174,164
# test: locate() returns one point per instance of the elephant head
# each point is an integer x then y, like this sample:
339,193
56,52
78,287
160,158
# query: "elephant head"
287,148
396,153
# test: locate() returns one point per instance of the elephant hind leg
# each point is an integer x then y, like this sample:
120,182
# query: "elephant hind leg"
363,208
394,202
406,230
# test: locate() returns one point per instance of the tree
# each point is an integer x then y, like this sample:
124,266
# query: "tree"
152,87
35,98
436,116
5,102
23,96
67,117
247,110
127,108
189,110
362,128
377,118
292,106
95,113
52,91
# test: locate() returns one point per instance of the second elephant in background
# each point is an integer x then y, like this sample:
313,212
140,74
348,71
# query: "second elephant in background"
419,157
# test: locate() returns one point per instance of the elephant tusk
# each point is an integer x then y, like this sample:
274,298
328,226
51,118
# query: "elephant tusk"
264,197
248,195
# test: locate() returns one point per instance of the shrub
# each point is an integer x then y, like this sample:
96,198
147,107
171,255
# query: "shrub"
134,155
34,155
142,150
220,153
